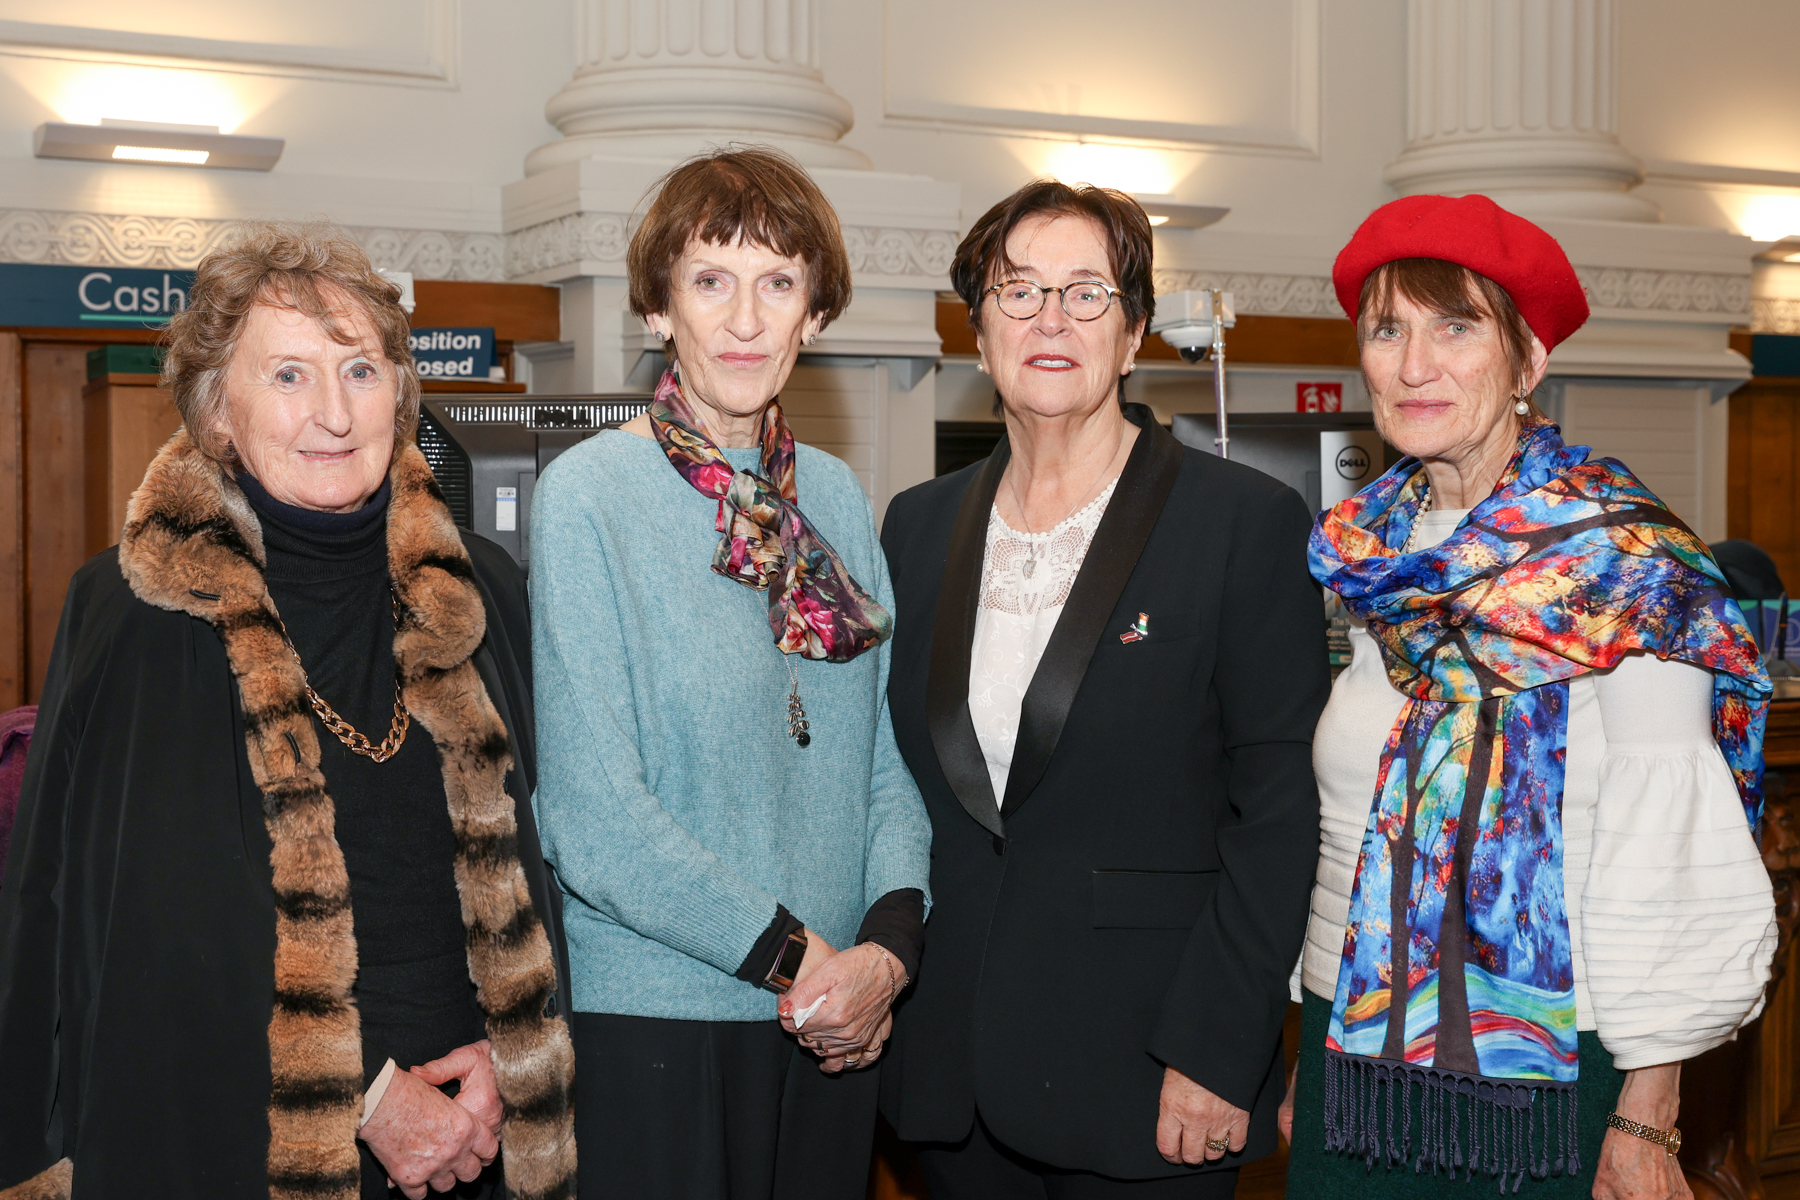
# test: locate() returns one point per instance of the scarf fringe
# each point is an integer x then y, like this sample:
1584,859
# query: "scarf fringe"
1514,1129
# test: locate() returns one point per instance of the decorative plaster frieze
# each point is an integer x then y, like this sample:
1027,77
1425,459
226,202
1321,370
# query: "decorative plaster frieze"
1607,288
603,237
1666,291
434,254
1774,316
95,239
179,243
567,241
1259,295
875,251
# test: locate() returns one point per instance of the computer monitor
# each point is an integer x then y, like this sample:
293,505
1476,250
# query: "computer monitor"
1287,445
487,453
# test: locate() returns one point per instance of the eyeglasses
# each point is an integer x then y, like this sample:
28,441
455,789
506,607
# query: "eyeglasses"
1022,299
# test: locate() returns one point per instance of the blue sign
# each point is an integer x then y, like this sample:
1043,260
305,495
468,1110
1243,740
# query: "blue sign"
90,297
453,353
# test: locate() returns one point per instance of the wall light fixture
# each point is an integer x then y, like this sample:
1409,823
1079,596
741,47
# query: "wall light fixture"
1165,213
143,142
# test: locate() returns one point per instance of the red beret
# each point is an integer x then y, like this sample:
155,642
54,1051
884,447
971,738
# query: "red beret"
1472,232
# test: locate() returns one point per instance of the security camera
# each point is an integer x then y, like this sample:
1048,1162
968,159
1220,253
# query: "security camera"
1185,321
1194,323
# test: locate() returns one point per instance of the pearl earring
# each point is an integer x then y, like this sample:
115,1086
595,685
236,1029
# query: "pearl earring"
981,366
1522,407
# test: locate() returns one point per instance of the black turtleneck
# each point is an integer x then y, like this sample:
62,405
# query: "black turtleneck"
328,576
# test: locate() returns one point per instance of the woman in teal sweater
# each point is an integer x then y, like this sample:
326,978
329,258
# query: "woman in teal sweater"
742,853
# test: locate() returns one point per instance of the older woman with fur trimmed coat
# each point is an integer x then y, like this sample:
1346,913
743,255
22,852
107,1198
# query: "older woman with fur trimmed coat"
275,919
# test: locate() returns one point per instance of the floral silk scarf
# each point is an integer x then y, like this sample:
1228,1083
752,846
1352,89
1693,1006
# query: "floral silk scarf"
816,609
1456,977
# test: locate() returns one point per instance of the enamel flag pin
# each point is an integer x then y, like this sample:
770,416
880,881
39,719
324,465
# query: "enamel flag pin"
1138,632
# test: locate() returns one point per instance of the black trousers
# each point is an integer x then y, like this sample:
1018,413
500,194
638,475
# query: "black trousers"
980,1168
715,1110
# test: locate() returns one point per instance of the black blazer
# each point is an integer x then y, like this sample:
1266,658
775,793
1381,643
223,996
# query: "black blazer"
1140,897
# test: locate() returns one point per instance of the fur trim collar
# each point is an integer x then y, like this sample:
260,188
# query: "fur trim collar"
192,544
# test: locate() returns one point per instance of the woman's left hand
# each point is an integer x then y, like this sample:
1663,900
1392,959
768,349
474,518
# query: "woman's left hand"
859,986
1630,1167
1189,1117
472,1067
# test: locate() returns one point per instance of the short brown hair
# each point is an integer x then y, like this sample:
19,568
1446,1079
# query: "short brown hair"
981,260
314,268
754,193
1440,286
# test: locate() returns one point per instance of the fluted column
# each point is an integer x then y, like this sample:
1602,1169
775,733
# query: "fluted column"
1517,99
667,78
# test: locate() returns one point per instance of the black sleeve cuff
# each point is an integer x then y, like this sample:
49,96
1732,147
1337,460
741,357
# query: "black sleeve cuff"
896,923
762,957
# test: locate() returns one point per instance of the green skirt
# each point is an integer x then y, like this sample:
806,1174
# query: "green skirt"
1315,1173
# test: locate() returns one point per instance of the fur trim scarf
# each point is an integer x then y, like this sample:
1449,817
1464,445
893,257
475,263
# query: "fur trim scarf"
192,544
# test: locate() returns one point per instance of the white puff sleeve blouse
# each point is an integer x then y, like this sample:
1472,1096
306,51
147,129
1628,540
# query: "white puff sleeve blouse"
1671,912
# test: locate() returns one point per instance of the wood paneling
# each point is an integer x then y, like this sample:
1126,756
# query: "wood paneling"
517,312
55,495
1276,341
125,427
1762,504
12,523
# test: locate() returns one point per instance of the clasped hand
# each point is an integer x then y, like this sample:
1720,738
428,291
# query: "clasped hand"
854,1022
423,1138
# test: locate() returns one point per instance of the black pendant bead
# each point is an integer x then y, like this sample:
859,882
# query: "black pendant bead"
804,738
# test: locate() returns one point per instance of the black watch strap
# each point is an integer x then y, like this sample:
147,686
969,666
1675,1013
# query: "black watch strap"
787,963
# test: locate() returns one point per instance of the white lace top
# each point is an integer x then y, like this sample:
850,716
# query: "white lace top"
1025,581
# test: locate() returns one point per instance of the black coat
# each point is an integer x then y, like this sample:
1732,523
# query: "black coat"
1140,898
137,920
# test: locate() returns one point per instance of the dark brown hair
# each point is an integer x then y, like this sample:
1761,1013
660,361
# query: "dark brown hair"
314,268
981,260
1453,290
754,193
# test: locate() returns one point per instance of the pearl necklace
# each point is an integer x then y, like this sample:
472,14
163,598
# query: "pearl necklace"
1412,535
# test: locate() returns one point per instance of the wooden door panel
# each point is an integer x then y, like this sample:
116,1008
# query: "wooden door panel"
12,524
55,497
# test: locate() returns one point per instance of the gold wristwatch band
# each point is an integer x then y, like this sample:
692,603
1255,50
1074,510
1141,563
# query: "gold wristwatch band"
1668,1139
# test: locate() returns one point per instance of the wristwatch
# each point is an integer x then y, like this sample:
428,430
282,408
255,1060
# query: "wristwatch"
787,964
1668,1139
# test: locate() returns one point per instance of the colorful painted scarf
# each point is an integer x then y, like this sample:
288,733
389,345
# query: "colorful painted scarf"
815,608
1457,921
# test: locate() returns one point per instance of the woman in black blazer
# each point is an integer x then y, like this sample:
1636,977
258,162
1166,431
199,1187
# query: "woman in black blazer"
1105,677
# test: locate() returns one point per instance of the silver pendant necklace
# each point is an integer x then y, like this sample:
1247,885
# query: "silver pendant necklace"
1031,539
796,712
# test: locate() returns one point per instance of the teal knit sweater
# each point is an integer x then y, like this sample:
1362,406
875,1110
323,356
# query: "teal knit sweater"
670,799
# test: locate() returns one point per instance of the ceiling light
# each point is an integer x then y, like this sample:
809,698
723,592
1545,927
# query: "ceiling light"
139,141
193,158
1165,211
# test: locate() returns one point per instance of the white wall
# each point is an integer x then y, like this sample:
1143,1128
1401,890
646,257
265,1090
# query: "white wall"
406,113
1710,100
1283,111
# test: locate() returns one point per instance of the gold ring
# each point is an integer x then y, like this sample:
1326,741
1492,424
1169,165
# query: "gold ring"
1219,1144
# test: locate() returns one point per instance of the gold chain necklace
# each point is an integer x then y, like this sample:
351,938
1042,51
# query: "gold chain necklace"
345,732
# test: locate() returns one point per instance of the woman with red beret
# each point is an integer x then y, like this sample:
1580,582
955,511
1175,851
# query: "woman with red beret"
1538,888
